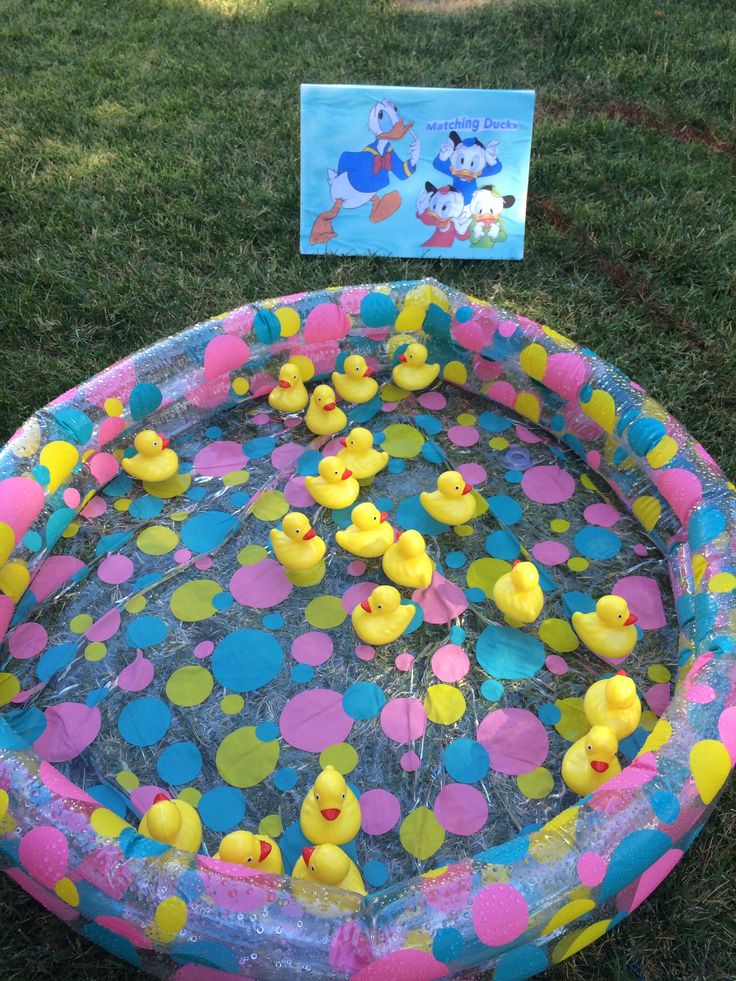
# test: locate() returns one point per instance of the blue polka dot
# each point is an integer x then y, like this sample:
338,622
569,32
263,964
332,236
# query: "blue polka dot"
190,886
430,424
213,432
120,485
363,413
223,601
644,434
513,476
455,560
705,525
575,602
96,696
491,690
549,714
375,873
377,310
416,621
493,423
509,654
475,594
466,760
267,732
436,321
363,700
146,507
32,541
447,945
395,465
144,721
631,857
507,853
505,509
597,543
110,798
457,634
57,525
666,806
273,621
463,314
521,963
433,453
222,809
557,423
28,722
113,943
54,659
146,631
196,494
75,425
246,660
179,763
257,449
411,514
266,326
502,545
144,399
384,503
302,674
285,778
41,474
378,437
307,465
207,530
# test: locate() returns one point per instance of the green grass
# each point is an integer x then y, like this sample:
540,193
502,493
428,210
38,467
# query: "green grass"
149,177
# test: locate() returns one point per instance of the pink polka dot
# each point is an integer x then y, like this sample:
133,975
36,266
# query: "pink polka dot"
700,694
217,459
103,467
57,569
27,640
47,899
326,322
138,675
350,949
70,728
61,785
450,663
124,928
432,400
556,664
224,354
388,407
314,720
404,719
115,569
654,875
109,429
591,869
441,601
727,730
604,515
204,649
364,653
463,435
473,473
681,488
645,600
593,458
487,370
312,648
233,888
260,419
641,550
104,628
261,585
44,853
356,568
94,508
548,484
379,811
550,552
526,435
21,501
516,740
502,392
460,809
71,497
297,494
238,321
411,965
410,762
356,594
142,797
286,455
203,563
500,914
405,661
292,422
182,556
565,374
506,328
351,298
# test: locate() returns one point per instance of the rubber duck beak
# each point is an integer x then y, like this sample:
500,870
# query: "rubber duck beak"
365,605
164,442
159,798
284,384
402,358
266,850
599,766
343,441
631,619
309,535
368,372
346,474
330,406
467,488
307,854
515,563
384,515
330,813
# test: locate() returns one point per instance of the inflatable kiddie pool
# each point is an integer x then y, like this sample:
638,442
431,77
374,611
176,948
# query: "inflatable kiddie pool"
152,644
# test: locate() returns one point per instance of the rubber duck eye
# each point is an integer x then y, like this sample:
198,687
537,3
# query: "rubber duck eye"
380,607
342,796
312,868
250,860
316,796
590,748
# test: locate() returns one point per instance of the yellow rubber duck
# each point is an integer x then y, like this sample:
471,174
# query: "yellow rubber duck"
591,761
289,395
330,866
358,454
381,618
452,503
355,384
335,487
154,462
369,535
323,416
298,546
613,702
518,593
610,630
172,822
406,563
330,812
412,372
256,851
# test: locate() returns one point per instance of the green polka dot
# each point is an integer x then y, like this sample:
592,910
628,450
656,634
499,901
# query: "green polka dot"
325,612
251,554
95,651
572,723
577,563
232,704
136,604
537,784
341,755
271,506
157,540
190,795
166,489
80,623
243,760
483,573
192,601
658,673
392,393
558,634
236,477
307,577
128,780
559,525
9,687
421,833
402,441
190,685
271,825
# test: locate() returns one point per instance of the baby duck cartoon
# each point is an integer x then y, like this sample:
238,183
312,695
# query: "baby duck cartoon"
172,822
335,487
591,761
613,702
324,418
609,631
452,503
359,456
154,462
413,373
406,562
330,812
518,593
289,395
258,852
355,384
369,535
330,866
298,546
382,618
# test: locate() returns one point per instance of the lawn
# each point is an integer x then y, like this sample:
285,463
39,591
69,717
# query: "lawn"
149,156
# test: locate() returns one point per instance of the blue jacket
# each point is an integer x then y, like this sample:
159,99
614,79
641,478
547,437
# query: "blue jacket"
360,167
466,188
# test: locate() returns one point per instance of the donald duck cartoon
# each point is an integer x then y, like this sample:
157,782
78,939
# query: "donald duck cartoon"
361,176
466,161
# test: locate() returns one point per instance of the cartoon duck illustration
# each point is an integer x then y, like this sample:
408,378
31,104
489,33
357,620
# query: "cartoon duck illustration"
412,373
452,503
324,418
382,618
172,822
330,866
591,761
613,702
154,462
335,487
486,221
369,535
466,161
297,546
406,562
359,456
289,395
609,631
443,209
330,812
518,593
355,383
361,176
254,851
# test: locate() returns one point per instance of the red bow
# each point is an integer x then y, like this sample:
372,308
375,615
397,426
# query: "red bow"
382,162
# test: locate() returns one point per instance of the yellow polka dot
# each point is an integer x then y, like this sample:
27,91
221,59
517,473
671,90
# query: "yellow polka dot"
305,366
80,623
171,914
290,321
722,582
243,760
190,685
251,554
577,563
578,939
325,612
174,487
466,419
232,704
444,704
106,823
658,673
588,483
551,842
95,651
128,780
67,892
559,525
558,634
537,784
402,441
71,529
60,458
455,372
662,453
240,385
14,579
421,833
572,723
463,531
648,720
9,687
271,506
392,393
190,795
192,601
568,913
527,404
340,755
157,540
481,504
601,409
498,443
648,510
4,802
657,738
533,361
307,577
271,825
418,940
7,541
114,407
483,573
710,765
698,565
235,478
136,603
122,504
